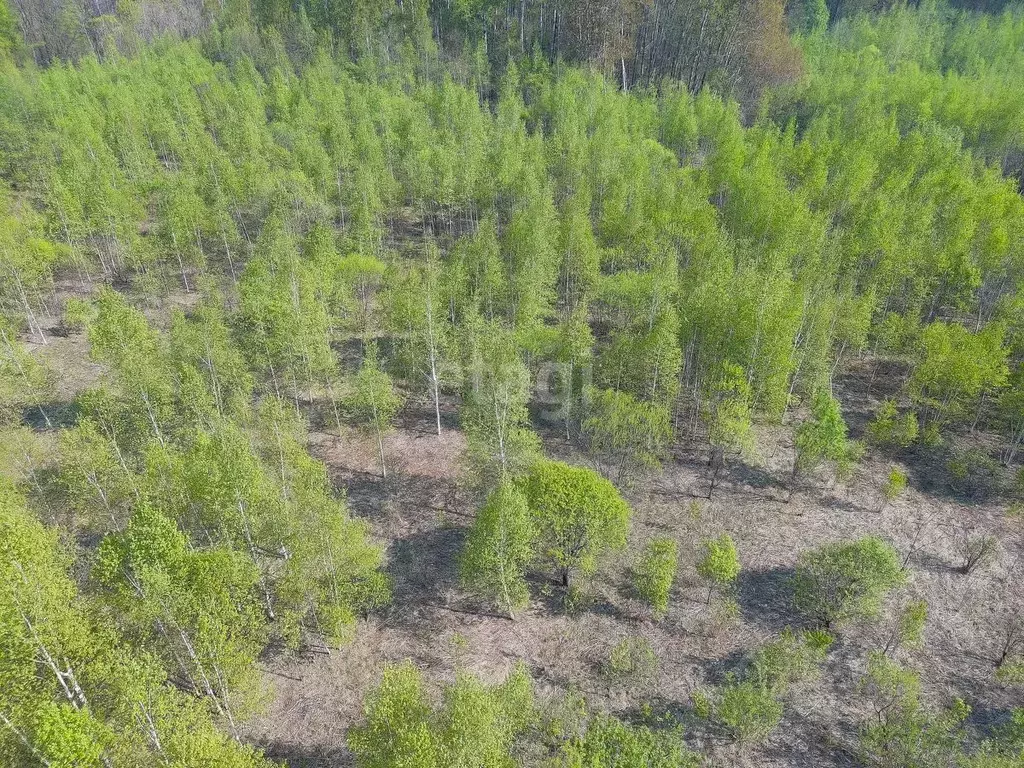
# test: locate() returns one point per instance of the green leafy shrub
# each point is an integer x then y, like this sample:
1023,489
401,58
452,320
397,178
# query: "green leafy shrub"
577,514
721,564
902,733
610,743
792,658
498,548
846,581
822,439
909,627
475,725
632,659
895,485
749,711
654,573
890,429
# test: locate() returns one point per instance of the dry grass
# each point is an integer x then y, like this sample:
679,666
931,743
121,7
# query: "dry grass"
421,513
422,510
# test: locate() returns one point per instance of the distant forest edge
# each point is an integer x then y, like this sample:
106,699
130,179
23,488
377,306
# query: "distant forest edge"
739,47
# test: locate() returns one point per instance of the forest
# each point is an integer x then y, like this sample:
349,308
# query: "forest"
476,384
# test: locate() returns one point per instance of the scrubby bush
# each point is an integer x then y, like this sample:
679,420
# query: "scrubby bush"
654,573
790,659
895,485
972,471
908,630
632,659
749,711
610,743
846,581
720,565
890,429
475,726
902,733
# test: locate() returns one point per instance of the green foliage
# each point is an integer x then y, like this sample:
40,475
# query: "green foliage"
655,571
398,730
813,16
201,605
341,175
632,659
791,658
822,438
25,384
499,547
476,725
904,733
625,433
846,581
374,401
749,706
611,743
895,485
748,710
578,515
956,367
909,629
75,691
972,471
730,411
889,429
721,564
494,412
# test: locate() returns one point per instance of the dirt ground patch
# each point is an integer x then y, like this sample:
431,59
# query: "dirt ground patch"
421,513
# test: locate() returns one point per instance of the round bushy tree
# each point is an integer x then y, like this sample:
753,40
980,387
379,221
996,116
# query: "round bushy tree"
846,581
578,514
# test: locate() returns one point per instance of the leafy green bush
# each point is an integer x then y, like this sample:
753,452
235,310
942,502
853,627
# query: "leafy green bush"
610,743
748,710
846,581
792,658
902,733
890,429
475,726
499,547
577,515
895,485
720,565
633,659
654,572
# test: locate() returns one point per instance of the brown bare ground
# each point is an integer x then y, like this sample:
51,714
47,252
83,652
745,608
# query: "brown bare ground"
421,513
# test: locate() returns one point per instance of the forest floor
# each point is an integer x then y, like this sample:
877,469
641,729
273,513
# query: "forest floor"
421,513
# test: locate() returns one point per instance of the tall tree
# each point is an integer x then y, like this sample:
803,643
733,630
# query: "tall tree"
375,401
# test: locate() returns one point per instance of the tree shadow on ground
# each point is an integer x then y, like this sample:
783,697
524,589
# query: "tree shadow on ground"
295,755
765,597
61,415
422,567
743,477
826,749
717,670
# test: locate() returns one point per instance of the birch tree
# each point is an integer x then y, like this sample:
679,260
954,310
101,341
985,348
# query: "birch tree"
374,402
